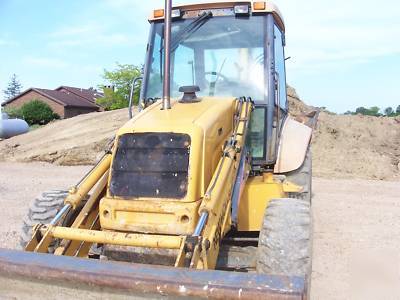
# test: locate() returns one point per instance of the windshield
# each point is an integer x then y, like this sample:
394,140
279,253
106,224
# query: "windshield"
224,57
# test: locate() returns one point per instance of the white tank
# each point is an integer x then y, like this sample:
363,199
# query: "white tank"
11,127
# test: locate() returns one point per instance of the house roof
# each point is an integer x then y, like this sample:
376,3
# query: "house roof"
88,94
63,98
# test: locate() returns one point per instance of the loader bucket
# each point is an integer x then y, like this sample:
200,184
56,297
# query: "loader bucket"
26,275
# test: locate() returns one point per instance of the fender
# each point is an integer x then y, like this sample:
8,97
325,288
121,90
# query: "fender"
293,145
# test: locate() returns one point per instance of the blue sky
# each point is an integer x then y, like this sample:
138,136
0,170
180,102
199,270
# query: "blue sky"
345,54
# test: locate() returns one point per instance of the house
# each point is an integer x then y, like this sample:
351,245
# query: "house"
65,101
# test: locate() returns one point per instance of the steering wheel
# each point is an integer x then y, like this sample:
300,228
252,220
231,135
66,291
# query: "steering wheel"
218,75
212,84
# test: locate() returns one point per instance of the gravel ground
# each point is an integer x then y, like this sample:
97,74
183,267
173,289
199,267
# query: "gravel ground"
20,183
356,228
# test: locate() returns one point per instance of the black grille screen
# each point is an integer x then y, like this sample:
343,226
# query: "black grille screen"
151,165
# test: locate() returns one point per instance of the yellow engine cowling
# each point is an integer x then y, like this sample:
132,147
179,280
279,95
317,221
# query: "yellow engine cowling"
205,125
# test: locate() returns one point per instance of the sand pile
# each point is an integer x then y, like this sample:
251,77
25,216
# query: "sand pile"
352,146
343,146
357,146
75,141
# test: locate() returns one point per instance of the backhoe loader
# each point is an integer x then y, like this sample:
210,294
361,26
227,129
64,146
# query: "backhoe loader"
205,193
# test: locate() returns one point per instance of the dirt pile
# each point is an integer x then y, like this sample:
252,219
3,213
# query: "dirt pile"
343,146
352,146
296,105
75,141
357,146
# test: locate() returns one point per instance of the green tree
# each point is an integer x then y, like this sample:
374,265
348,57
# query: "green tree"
374,111
37,112
361,110
120,79
398,110
389,111
13,88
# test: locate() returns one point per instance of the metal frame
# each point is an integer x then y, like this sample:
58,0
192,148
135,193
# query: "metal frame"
270,158
134,81
166,104
146,69
25,272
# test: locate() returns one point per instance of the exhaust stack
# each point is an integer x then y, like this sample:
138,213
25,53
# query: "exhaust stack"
167,56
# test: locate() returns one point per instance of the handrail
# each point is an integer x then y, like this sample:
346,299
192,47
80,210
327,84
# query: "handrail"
134,80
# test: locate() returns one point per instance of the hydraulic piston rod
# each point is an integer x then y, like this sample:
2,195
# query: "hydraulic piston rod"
61,214
200,225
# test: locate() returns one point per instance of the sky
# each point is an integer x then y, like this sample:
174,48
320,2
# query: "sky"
344,54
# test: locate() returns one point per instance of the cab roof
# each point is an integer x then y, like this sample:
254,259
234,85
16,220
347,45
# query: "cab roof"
269,8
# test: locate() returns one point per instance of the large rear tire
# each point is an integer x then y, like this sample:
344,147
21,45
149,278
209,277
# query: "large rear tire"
42,210
285,241
303,178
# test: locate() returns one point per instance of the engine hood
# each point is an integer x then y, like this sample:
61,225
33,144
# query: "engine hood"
182,117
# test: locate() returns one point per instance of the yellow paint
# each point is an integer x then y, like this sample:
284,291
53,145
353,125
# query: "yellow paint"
256,196
217,199
209,124
116,238
77,194
155,216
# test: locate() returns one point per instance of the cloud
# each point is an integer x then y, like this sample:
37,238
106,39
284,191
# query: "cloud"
44,62
338,35
91,34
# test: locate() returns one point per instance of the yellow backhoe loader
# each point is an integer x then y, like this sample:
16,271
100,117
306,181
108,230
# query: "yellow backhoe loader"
205,193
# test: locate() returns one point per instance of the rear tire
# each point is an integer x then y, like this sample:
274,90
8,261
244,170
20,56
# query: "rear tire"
42,210
285,241
303,178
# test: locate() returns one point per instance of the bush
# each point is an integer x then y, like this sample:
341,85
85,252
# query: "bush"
37,112
13,113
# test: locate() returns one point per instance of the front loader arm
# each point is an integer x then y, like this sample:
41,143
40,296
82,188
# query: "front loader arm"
215,209
95,180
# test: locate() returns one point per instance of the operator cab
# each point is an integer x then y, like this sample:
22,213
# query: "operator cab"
229,49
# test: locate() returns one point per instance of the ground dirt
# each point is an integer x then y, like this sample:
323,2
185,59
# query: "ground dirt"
356,228
343,146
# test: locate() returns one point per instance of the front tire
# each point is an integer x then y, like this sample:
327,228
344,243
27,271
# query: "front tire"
42,210
285,241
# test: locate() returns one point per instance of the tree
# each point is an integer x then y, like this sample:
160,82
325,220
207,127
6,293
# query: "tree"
361,110
398,110
13,89
120,79
389,111
374,111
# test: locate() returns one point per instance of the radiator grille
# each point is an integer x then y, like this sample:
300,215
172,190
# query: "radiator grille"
151,165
